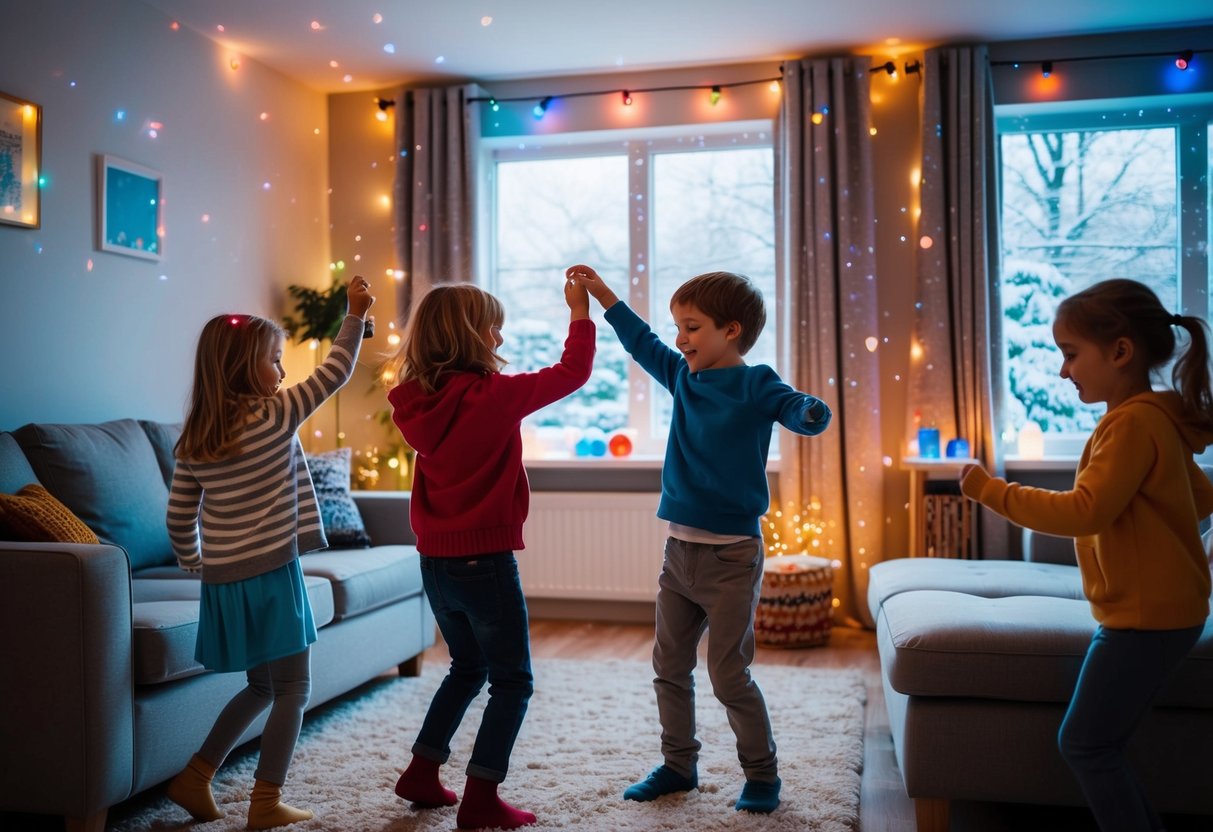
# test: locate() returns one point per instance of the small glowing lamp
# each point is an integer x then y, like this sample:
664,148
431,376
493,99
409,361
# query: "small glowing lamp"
1031,441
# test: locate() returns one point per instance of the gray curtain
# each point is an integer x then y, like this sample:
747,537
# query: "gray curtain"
958,375
826,265
436,135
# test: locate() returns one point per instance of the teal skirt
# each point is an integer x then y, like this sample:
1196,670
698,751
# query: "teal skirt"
246,623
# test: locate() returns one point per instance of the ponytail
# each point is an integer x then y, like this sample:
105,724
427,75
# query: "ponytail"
1190,375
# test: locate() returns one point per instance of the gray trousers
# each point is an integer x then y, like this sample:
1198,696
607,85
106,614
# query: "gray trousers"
284,686
713,588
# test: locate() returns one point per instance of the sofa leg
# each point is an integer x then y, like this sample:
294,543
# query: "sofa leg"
93,823
932,814
411,667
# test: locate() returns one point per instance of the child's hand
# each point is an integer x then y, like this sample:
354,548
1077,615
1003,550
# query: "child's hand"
578,299
973,478
358,296
589,278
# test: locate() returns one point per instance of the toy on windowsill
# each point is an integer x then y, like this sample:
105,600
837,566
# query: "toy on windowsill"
620,444
592,443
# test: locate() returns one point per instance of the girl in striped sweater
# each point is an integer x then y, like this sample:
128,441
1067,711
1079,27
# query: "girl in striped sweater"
241,510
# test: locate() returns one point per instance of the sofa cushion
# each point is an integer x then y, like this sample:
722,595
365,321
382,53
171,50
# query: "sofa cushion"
34,514
342,523
366,579
108,476
163,437
988,578
15,470
165,615
1022,648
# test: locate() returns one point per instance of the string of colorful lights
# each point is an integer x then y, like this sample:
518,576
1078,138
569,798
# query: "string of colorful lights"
1184,60
626,95
714,91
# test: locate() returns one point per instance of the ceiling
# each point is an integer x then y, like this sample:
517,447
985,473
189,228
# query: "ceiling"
349,45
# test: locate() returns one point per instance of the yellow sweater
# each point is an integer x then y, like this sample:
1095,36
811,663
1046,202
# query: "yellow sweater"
1133,513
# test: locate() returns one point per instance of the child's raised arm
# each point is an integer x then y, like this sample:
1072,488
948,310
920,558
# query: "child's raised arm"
578,299
302,399
589,278
358,297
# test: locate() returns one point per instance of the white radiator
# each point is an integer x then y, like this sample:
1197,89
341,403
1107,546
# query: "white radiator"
592,545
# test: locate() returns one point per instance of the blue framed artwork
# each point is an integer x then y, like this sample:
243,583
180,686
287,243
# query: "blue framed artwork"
130,216
20,162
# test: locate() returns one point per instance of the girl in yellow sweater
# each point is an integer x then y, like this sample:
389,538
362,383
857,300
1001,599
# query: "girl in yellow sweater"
1134,513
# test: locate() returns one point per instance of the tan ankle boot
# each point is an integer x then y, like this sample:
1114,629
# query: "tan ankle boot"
266,810
191,790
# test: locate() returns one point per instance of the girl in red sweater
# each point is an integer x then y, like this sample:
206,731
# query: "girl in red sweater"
462,415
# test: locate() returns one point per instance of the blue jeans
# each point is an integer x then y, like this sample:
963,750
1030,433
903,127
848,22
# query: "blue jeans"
1121,675
481,612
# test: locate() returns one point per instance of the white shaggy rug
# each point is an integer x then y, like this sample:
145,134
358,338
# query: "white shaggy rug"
590,732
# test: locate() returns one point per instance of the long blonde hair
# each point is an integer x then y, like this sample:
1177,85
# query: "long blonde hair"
447,335
225,385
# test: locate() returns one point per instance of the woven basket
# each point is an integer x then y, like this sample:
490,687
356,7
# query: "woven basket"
796,606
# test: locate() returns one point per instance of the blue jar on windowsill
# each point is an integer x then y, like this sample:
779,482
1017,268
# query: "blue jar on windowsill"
928,443
957,448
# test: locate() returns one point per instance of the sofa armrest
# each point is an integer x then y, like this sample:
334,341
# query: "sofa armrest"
1039,547
386,517
66,690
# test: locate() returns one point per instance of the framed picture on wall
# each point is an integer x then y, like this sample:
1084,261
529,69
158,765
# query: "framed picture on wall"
20,162
130,216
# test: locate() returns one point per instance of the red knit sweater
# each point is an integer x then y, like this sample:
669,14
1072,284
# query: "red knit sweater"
470,491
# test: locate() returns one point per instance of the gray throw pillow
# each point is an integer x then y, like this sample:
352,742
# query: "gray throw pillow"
343,524
108,476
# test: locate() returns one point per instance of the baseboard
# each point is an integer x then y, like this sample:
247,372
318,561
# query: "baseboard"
637,612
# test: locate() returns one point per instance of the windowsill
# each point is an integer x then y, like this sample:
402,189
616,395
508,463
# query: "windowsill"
1014,462
589,463
642,462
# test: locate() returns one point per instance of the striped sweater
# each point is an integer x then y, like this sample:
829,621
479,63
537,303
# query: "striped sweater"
257,510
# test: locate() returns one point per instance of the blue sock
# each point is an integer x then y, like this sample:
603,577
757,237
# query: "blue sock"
757,796
662,780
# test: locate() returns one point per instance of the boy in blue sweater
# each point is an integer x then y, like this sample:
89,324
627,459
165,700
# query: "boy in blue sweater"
713,494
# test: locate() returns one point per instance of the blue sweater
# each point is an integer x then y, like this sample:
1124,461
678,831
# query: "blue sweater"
715,476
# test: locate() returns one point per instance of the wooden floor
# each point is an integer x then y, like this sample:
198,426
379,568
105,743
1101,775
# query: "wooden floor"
883,804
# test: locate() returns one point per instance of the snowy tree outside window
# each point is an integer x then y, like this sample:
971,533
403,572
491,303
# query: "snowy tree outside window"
648,212
1088,196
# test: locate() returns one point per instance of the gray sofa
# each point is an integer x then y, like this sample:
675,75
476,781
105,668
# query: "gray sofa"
100,696
979,659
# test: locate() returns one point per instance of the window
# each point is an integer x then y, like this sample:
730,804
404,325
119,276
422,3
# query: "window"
1093,190
648,211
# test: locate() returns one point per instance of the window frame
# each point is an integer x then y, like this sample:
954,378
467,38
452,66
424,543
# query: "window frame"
1191,116
634,143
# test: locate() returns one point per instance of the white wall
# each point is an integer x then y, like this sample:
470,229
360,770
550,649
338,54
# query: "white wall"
88,335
